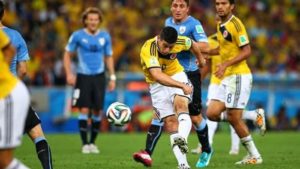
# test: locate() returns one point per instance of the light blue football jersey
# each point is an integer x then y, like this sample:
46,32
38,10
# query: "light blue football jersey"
91,50
21,49
193,29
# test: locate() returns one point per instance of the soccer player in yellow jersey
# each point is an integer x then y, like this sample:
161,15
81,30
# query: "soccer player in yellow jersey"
14,102
254,115
235,75
169,87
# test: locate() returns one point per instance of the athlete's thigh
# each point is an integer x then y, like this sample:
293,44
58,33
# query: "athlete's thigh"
238,90
32,120
98,94
82,91
13,111
196,105
161,101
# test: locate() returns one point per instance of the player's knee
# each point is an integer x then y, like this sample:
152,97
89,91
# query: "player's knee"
171,124
196,119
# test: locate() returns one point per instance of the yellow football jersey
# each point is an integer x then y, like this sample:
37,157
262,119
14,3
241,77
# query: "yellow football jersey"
151,58
215,60
231,36
7,79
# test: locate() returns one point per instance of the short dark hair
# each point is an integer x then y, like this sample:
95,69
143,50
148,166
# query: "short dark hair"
1,9
186,1
91,10
231,1
169,34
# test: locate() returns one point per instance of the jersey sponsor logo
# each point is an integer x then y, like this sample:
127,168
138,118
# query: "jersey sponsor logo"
182,29
84,40
243,39
199,29
153,61
101,41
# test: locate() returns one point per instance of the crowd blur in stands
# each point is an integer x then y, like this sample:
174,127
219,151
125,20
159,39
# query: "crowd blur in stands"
45,24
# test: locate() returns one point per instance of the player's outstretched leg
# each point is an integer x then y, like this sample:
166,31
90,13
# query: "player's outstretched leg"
235,142
153,135
83,127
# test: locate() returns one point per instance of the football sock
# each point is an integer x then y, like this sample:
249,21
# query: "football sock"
83,125
96,122
212,127
184,125
249,115
16,164
202,133
181,158
43,152
154,133
248,143
235,139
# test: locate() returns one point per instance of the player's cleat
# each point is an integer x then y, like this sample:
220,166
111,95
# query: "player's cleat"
94,149
261,121
143,157
181,143
204,159
184,166
85,149
250,160
197,150
233,152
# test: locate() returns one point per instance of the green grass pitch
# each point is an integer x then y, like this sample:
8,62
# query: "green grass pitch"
280,150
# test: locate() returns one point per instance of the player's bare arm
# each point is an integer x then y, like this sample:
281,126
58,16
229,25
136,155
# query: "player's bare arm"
243,55
71,79
22,69
112,77
196,50
166,80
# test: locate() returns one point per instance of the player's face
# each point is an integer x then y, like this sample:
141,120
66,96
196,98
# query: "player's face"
223,8
165,47
179,10
92,22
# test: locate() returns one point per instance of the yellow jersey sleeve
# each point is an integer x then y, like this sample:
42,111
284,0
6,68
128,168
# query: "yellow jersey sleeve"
239,33
4,39
149,55
183,43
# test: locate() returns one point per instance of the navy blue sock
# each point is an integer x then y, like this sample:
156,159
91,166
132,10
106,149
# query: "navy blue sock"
202,133
153,135
95,128
43,152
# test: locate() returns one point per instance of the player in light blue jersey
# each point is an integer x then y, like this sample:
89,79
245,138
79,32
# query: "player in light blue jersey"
94,51
189,26
18,67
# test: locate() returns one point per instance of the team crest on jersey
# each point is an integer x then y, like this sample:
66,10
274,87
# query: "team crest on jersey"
182,29
225,33
101,41
173,56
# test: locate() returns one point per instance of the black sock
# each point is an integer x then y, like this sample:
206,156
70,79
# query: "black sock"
83,131
203,138
94,131
44,154
153,135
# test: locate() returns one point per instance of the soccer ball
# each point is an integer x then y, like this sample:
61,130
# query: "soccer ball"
118,114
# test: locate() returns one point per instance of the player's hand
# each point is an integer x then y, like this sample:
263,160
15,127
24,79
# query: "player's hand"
111,85
202,62
71,79
221,68
187,89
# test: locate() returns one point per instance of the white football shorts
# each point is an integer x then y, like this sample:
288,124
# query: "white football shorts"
13,112
235,91
163,96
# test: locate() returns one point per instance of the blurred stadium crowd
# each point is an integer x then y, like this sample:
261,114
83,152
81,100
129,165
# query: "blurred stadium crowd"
46,25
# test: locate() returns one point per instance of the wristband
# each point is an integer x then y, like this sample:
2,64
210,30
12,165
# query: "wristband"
113,77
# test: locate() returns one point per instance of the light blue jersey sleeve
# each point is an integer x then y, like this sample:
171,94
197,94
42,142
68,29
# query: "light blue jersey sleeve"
198,32
21,48
108,46
72,43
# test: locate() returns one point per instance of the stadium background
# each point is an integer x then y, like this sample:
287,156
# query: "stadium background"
273,27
